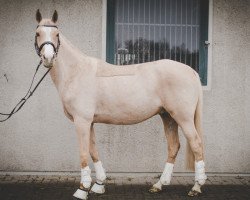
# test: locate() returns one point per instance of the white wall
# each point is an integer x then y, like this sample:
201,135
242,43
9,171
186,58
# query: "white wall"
40,138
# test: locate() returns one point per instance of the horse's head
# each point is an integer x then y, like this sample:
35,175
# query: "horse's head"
47,38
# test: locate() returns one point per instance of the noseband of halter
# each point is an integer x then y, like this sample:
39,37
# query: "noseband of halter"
39,49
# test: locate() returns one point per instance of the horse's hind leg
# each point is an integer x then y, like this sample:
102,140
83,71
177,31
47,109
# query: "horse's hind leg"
195,142
171,132
98,187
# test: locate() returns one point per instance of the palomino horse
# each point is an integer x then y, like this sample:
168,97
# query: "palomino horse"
93,91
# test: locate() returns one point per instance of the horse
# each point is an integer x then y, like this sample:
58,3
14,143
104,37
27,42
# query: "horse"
93,91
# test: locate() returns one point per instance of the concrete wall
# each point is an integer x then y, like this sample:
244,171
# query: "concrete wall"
40,138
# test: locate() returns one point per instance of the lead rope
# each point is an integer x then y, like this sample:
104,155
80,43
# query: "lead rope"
30,92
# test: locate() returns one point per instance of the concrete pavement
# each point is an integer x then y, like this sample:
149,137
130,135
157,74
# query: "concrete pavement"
61,187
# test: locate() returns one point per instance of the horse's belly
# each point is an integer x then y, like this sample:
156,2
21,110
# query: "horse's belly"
124,117
127,110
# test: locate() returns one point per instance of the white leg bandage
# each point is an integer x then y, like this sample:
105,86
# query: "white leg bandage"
98,187
200,175
86,182
166,176
85,177
100,172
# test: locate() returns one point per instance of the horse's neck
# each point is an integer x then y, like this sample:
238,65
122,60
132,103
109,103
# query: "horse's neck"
69,59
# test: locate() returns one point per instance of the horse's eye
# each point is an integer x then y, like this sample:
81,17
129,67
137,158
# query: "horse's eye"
37,34
57,35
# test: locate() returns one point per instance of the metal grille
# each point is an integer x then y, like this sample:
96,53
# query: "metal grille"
148,30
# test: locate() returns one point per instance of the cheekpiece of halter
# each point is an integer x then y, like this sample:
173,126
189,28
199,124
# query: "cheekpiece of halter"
39,49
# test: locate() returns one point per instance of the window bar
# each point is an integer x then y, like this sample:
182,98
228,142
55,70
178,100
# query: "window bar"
121,55
149,35
197,49
160,34
138,48
144,39
186,36
170,40
129,54
165,47
191,63
115,43
116,61
133,54
181,36
195,33
175,30
178,25
154,25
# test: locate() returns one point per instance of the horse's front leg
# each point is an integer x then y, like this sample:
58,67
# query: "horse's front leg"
98,187
83,132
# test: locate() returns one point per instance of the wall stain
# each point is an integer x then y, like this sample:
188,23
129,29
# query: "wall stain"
5,75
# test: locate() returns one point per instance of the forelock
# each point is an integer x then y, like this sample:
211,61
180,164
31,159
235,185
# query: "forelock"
46,22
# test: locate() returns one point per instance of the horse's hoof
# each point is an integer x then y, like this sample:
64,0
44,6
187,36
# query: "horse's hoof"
81,194
193,193
154,190
97,188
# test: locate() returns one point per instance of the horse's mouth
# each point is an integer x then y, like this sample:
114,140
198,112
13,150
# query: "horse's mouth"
48,64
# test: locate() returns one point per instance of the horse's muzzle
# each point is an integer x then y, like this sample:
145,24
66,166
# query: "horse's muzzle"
48,64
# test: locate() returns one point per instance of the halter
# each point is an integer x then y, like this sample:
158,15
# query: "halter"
38,49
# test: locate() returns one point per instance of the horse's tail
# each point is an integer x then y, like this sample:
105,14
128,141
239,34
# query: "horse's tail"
190,160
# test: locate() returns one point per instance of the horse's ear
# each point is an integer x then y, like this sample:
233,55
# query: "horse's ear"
55,17
38,16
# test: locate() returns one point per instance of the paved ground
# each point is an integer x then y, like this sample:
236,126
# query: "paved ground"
62,188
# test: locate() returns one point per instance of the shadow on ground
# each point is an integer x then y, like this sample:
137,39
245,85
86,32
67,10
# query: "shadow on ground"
63,191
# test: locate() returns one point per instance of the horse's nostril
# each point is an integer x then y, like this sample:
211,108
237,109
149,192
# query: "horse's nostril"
43,56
